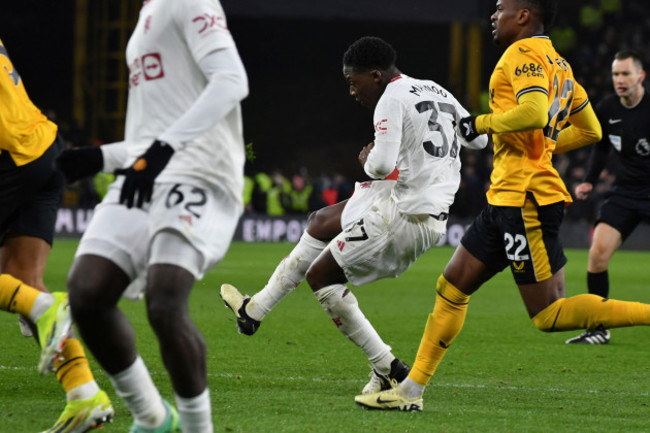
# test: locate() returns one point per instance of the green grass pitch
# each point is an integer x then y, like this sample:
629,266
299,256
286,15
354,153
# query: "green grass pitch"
298,374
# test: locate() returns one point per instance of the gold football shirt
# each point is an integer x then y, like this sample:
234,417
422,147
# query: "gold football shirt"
522,160
25,132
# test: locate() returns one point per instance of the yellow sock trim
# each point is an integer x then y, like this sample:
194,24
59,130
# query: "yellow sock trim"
72,369
589,312
16,296
443,325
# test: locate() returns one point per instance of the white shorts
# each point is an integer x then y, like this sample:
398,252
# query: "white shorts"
365,194
384,242
192,225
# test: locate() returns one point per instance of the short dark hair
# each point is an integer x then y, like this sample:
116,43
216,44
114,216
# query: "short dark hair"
630,54
368,53
547,10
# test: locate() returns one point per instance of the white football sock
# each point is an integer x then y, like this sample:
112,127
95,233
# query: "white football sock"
410,389
83,392
195,413
289,273
135,386
342,306
41,304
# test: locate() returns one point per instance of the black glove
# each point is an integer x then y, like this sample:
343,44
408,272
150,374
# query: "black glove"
141,175
81,162
467,128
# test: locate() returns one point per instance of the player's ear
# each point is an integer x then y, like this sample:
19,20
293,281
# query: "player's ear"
523,16
376,75
642,79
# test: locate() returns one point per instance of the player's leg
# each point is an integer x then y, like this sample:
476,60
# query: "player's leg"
180,254
322,226
327,280
617,218
111,254
182,346
475,261
25,258
382,244
95,286
538,271
606,240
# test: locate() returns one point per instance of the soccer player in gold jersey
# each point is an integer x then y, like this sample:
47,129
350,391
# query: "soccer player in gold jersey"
533,94
30,193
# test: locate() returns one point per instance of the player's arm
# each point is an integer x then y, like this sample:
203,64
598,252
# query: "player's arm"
584,129
381,158
80,162
530,113
227,86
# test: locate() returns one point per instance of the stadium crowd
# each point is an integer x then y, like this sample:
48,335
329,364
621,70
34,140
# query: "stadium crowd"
588,34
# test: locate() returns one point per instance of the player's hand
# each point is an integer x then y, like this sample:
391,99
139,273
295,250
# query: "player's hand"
142,174
582,191
80,162
363,155
467,128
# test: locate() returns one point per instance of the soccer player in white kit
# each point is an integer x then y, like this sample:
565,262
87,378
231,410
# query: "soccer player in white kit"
182,162
386,224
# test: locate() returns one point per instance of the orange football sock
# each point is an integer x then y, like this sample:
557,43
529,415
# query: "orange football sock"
71,366
443,325
589,312
16,296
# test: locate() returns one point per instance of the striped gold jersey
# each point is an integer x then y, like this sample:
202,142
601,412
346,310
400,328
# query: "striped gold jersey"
522,160
25,132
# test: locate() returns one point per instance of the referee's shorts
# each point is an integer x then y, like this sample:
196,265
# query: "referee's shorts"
524,238
624,213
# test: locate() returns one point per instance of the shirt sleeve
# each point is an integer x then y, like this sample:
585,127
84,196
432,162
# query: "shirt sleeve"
227,86
530,113
388,137
114,155
203,24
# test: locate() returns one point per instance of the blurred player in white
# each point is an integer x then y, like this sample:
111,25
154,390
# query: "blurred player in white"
386,225
182,180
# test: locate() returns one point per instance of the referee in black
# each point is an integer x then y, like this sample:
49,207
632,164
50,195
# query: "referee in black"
625,149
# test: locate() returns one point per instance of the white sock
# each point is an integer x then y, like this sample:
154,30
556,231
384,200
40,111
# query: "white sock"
83,392
135,386
410,389
195,413
41,304
289,273
342,306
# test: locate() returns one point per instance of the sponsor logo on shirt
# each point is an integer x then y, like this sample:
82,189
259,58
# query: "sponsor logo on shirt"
152,66
148,66
209,22
381,127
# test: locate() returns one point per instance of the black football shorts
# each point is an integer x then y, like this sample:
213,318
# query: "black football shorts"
30,195
624,213
526,239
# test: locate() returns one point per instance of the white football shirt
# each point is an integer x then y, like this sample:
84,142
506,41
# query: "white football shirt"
169,40
415,130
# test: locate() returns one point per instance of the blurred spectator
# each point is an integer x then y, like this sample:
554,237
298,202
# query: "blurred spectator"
300,194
